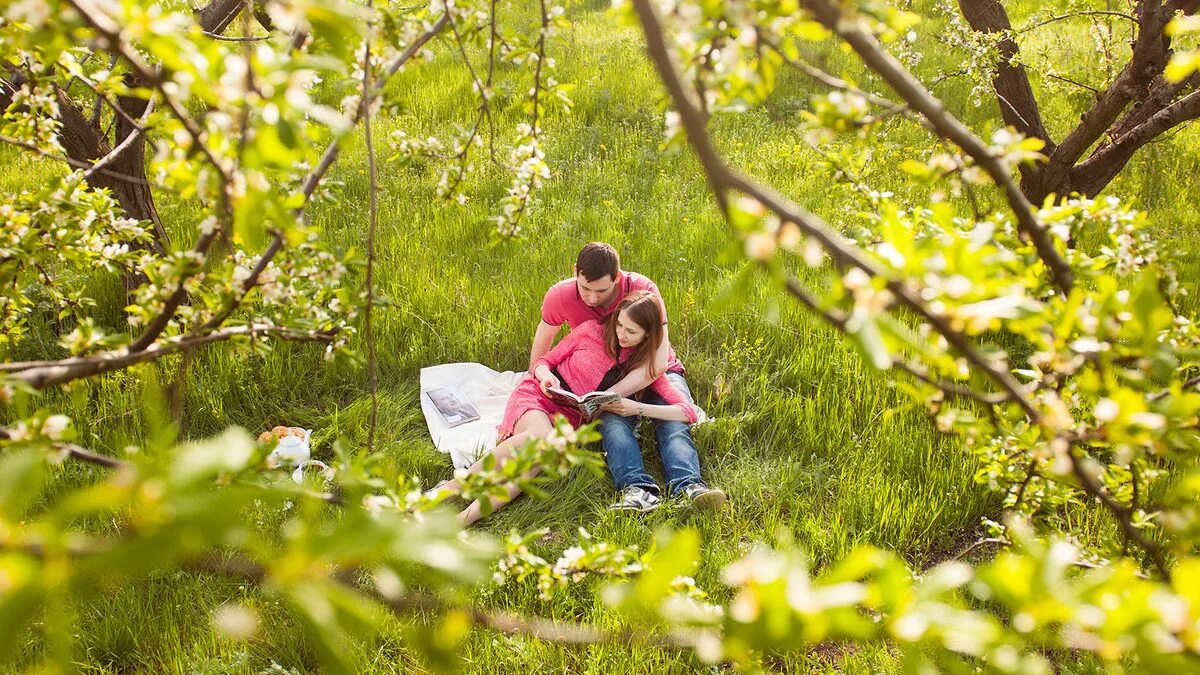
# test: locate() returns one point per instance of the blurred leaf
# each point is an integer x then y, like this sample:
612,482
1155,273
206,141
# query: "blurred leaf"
22,478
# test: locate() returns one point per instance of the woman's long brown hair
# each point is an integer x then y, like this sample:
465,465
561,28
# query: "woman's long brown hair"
642,308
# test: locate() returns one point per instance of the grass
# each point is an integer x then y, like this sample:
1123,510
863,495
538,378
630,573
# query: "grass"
808,441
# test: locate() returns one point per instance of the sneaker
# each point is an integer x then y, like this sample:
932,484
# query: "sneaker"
705,498
634,498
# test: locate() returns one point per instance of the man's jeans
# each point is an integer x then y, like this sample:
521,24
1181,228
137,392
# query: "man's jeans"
675,445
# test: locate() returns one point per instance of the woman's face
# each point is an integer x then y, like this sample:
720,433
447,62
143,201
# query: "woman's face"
629,334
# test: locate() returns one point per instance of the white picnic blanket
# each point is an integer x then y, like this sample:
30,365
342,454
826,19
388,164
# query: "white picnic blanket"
487,390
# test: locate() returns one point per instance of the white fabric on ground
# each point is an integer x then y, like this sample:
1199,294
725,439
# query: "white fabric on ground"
487,390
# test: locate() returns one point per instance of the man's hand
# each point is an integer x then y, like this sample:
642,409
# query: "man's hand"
624,407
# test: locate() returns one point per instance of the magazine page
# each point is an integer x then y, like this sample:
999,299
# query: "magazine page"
453,405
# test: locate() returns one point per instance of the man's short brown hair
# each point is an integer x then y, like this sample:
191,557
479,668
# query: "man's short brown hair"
597,260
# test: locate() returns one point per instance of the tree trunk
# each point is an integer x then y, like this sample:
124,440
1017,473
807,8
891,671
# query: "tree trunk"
1018,106
216,16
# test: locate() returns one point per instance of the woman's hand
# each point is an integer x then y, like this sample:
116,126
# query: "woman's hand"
546,379
624,407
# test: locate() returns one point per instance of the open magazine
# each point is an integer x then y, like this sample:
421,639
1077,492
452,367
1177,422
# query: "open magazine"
588,404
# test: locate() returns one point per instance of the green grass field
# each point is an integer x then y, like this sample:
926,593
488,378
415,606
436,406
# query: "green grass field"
807,439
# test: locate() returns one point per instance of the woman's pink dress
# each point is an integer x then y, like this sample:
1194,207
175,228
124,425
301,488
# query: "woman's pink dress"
581,360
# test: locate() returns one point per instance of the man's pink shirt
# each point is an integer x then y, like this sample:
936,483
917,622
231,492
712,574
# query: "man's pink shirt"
563,304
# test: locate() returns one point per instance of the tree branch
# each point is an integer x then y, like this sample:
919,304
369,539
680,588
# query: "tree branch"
1122,514
947,126
331,152
832,81
1073,15
78,164
1108,160
844,254
247,285
42,374
1018,106
1149,57
368,332
138,132
75,452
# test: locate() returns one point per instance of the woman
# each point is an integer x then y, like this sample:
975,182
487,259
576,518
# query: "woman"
592,357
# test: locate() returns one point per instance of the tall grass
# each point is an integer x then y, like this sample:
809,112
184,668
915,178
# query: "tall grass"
809,443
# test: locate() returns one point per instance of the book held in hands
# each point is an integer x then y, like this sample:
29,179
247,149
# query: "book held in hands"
588,404
453,405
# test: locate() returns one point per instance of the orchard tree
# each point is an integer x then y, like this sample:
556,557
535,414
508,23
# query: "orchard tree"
1101,414
1137,91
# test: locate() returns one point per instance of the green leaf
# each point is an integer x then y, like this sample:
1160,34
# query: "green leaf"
676,554
733,295
22,478
871,345
230,452
19,599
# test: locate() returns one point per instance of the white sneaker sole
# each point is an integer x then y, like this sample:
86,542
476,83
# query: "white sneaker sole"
631,507
710,501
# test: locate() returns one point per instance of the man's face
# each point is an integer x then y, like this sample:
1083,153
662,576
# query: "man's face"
596,292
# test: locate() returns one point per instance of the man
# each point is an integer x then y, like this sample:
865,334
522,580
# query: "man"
593,293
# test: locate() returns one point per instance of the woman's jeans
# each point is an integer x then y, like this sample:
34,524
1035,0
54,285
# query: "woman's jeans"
680,461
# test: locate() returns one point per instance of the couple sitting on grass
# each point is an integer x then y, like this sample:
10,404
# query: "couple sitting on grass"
618,342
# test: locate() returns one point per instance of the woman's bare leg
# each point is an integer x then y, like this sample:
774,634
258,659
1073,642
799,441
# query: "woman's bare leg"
501,451
533,424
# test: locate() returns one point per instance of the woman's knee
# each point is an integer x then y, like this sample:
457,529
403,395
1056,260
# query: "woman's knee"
534,423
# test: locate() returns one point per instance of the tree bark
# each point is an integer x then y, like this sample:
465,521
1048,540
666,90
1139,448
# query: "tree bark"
1137,106
1093,174
1149,57
1018,106
83,141
216,16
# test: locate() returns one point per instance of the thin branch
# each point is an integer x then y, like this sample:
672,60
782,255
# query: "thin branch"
368,331
483,110
838,320
1122,514
831,80
84,455
1068,80
75,452
227,38
976,544
331,152
134,136
42,374
1072,15
110,33
947,126
491,71
537,90
76,163
987,399
1030,472
1187,384
247,285
105,97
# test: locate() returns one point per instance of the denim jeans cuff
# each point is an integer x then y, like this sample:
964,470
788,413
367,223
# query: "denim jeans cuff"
651,488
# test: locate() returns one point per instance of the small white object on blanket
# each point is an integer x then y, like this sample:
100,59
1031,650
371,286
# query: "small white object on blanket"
487,390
